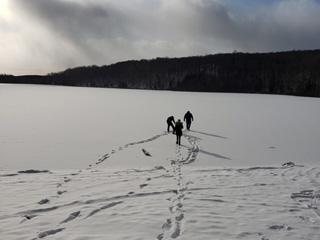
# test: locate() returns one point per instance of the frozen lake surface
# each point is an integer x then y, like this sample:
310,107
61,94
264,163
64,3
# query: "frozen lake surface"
72,166
63,127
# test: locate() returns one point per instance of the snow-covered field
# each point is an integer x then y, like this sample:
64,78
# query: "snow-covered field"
72,166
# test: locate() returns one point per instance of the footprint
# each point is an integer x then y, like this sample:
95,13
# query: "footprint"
167,225
180,217
294,210
43,201
280,227
176,232
103,208
50,232
179,205
29,217
160,236
262,237
159,168
66,179
71,217
307,219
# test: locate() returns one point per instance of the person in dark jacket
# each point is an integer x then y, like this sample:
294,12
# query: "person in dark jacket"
179,127
188,118
170,122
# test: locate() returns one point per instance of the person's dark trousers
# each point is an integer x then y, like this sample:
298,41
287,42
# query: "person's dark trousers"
188,125
178,140
170,125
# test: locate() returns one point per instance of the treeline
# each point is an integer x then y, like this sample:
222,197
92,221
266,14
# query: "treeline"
290,73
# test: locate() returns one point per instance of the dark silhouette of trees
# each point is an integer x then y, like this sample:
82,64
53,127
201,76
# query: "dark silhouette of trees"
293,73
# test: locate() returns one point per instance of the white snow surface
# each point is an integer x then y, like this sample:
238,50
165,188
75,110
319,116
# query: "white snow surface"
72,165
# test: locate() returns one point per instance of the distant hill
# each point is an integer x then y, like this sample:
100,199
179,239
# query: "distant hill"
289,73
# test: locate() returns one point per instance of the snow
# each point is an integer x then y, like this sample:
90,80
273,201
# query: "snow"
72,165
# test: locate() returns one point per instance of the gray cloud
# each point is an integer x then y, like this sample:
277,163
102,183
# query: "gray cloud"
76,20
59,34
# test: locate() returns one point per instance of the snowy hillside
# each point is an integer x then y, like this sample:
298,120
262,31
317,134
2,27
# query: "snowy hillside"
72,165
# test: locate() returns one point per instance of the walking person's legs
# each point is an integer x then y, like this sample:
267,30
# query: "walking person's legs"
188,125
170,125
179,139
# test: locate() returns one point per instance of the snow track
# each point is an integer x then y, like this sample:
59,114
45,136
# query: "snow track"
193,152
173,227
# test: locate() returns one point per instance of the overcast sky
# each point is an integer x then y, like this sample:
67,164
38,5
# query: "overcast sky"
43,36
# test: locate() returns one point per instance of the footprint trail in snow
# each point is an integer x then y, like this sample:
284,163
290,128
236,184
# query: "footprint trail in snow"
172,228
172,225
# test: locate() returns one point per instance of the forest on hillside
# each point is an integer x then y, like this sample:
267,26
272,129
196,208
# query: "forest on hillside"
289,73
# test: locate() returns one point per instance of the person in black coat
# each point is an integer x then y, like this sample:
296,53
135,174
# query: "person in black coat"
179,127
170,122
188,118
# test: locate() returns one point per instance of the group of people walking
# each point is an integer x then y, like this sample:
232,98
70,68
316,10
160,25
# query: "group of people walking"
178,126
